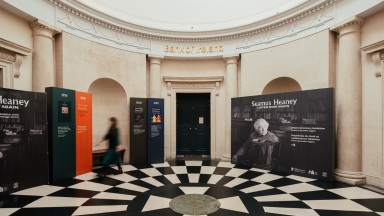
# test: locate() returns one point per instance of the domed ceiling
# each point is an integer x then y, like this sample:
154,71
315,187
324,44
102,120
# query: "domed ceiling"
192,15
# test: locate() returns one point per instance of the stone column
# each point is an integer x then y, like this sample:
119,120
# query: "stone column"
43,67
155,76
348,104
231,91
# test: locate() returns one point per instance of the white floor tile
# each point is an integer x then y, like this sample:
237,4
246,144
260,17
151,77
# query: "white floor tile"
356,193
259,170
194,190
90,186
127,168
173,178
193,178
290,211
235,182
165,164
87,176
193,163
7,211
113,196
276,198
338,205
180,169
123,177
259,187
87,210
56,202
42,190
133,187
234,204
225,164
380,213
214,179
298,188
152,181
207,170
155,202
151,172
300,178
266,178
236,172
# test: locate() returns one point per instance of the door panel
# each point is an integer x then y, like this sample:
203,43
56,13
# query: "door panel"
193,124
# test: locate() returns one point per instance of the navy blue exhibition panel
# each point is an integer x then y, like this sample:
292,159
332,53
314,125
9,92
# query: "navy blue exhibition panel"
155,130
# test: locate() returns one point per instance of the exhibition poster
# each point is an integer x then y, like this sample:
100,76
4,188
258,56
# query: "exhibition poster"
289,132
23,136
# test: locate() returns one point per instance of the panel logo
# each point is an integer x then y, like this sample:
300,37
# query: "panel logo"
64,95
83,98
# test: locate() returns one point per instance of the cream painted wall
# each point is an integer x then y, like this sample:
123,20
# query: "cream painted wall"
196,68
372,141
83,62
307,60
17,30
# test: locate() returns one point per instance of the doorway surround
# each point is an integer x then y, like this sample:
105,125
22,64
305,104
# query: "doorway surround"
208,84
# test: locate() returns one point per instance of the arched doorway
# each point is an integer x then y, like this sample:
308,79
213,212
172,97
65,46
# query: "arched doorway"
281,84
109,99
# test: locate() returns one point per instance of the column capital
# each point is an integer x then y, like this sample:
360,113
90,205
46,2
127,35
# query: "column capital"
155,59
231,59
347,26
378,58
41,28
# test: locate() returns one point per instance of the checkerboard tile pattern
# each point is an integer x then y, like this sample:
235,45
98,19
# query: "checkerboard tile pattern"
148,191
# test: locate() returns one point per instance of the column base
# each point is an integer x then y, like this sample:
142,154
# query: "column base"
226,157
352,178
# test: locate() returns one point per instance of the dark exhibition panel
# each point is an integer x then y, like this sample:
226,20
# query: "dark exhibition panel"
138,131
299,138
147,130
23,140
62,137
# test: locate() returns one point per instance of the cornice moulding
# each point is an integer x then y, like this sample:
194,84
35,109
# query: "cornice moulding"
193,79
22,50
77,10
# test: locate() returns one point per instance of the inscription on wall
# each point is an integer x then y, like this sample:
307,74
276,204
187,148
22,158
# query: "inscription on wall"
194,49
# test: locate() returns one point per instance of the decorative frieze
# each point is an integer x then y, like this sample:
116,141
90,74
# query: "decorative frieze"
212,82
72,14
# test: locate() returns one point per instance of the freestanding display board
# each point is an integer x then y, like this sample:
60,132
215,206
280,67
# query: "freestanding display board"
23,136
83,132
138,131
61,136
155,130
299,135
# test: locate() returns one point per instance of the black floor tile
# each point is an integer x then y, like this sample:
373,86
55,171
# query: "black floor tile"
204,178
165,170
16,201
345,213
162,179
137,174
246,184
78,193
268,192
103,202
183,178
193,169
224,180
376,205
143,184
317,195
57,211
221,170
286,204
250,175
107,181
282,182
67,183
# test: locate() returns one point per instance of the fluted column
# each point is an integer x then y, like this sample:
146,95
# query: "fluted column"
43,67
348,104
155,76
231,91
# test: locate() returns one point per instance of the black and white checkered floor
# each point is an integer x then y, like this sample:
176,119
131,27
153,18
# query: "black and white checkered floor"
148,191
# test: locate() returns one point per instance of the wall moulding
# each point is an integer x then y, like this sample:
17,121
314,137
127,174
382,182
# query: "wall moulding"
76,12
212,82
12,55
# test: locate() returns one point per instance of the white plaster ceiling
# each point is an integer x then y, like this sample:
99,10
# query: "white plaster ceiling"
192,15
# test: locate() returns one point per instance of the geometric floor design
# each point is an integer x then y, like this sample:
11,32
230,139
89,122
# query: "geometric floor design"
240,190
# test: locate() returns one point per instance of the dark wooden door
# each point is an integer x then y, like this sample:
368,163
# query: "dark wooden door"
193,124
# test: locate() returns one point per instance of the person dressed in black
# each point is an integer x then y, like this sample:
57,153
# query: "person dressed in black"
111,157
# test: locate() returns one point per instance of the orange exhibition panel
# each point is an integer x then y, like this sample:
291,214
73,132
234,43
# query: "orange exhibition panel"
83,132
